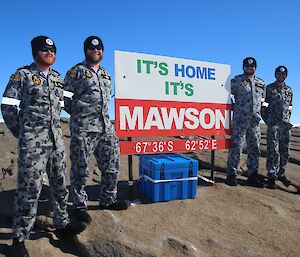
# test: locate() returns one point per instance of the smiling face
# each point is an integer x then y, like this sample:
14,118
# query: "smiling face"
249,70
94,54
280,76
45,57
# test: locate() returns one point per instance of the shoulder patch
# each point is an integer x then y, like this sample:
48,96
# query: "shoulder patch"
36,80
88,74
16,76
245,82
72,73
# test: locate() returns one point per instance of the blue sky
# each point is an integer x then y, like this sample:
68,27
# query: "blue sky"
216,31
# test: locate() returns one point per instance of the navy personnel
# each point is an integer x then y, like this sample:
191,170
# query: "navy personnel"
279,97
88,89
249,92
31,107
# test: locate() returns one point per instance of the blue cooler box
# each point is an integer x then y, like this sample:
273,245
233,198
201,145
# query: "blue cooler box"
165,177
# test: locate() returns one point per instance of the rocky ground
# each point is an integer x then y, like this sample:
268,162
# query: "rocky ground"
222,221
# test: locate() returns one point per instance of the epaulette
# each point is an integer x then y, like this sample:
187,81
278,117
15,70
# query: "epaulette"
17,76
76,65
106,74
27,67
272,84
260,79
56,73
235,79
289,88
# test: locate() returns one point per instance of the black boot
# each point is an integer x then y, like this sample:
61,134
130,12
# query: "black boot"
231,180
82,216
18,249
255,182
70,230
117,206
285,181
271,183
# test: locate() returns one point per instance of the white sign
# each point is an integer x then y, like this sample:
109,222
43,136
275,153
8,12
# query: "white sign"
158,95
152,77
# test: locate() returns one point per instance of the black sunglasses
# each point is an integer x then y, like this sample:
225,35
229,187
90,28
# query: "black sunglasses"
98,47
46,49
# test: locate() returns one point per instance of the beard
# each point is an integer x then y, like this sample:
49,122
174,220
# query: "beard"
249,72
46,60
93,59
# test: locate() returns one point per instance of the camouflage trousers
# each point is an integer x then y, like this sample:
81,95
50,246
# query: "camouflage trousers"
105,147
33,162
240,132
278,144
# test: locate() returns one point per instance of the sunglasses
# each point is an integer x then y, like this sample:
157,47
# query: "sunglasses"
46,49
98,47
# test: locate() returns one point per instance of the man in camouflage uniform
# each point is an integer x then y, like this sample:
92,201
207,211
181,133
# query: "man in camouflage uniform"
31,107
88,89
279,97
249,92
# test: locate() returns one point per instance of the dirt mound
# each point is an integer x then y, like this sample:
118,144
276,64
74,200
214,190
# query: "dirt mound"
221,221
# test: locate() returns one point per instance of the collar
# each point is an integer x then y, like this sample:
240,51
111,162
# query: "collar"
87,65
33,67
279,86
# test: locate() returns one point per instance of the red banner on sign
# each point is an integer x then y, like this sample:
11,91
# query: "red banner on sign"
173,145
139,118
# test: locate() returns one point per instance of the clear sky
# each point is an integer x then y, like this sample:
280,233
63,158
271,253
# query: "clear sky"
215,31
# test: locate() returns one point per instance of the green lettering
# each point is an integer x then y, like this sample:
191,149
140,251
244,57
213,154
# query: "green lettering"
163,68
167,87
139,68
175,84
148,63
189,88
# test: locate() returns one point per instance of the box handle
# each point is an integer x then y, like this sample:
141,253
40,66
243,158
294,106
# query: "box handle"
191,169
162,171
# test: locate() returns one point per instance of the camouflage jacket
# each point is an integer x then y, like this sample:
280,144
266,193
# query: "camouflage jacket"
280,104
248,98
86,98
31,104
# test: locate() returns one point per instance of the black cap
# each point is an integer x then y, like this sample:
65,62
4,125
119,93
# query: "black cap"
281,69
93,41
249,61
40,42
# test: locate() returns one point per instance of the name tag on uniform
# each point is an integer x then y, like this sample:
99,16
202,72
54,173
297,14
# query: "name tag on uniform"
259,85
58,84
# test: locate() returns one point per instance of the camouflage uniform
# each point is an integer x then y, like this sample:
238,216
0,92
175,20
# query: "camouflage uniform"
245,123
277,118
31,107
86,100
